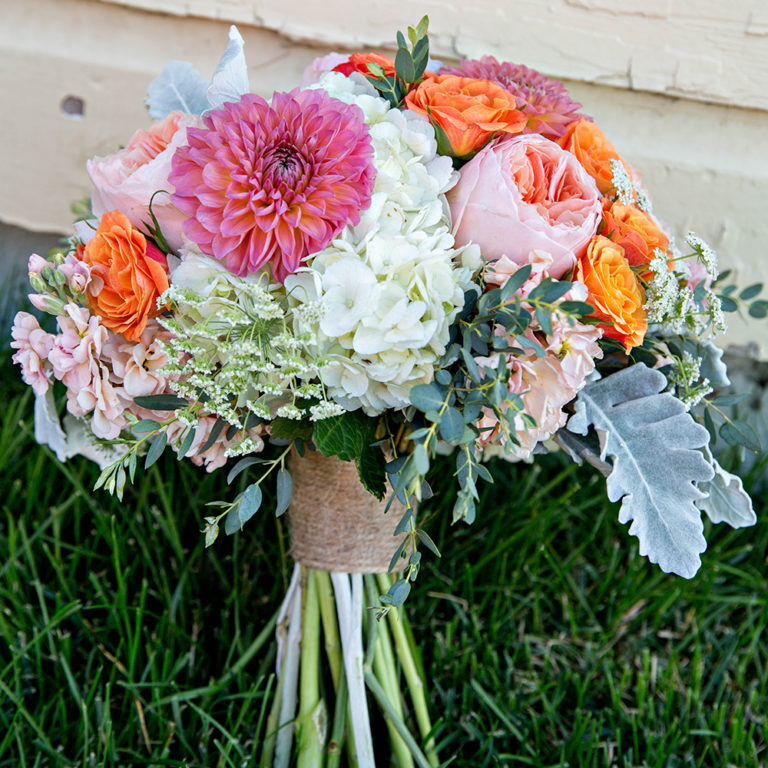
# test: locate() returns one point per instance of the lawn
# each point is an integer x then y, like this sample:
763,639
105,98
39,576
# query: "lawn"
546,639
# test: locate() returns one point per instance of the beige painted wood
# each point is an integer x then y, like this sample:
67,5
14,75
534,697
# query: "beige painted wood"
705,164
701,49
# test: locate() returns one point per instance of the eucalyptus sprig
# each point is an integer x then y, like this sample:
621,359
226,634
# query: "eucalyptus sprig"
410,65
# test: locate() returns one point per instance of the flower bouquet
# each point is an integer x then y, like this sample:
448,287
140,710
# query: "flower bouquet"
329,288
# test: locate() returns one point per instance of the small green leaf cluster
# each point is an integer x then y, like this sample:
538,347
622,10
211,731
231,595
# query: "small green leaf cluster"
498,323
748,298
246,504
410,65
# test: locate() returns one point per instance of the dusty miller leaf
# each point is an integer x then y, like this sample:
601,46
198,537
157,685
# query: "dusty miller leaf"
178,86
230,80
727,501
652,440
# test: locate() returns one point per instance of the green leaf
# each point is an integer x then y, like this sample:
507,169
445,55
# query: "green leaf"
146,425
545,319
425,539
398,554
290,429
160,402
186,443
710,425
452,426
218,428
758,309
576,307
751,291
421,57
398,592
240,513
345,436
421,459
739,433
730,399
549,290
156,447
284,491
404,66
242,465
728,304
427,397
515,282
370,470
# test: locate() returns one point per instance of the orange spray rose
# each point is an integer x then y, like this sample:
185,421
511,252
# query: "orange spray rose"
470,111
614,291
593,151
133,272
635,231
358,62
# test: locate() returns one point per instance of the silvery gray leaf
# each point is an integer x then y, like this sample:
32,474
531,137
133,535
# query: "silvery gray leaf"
652,441
230,80
75,439
178,86
712,365
727,501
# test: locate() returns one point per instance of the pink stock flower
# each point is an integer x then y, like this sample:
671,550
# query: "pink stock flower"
77,348
136,365
273,184
37,264
127,180
33,345
546,384
523,194
546,103
78,274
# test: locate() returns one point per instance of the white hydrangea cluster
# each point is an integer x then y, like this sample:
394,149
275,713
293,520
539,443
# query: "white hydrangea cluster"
392,285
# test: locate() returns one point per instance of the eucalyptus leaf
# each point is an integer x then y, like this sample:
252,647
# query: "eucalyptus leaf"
160,402
284,491
186,443
653,443
427,397
398,592
242,465
452,426
213,436
740,433
156,447
146,425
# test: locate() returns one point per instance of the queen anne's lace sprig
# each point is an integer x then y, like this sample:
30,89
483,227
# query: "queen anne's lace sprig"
234,347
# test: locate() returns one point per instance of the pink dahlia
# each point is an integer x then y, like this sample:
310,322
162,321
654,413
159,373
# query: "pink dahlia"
546,102
274,183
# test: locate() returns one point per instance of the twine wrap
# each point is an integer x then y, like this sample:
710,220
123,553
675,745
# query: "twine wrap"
336,525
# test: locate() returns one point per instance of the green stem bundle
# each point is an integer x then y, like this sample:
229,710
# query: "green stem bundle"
336,614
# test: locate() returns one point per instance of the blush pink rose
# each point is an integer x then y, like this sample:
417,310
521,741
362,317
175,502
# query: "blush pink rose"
126,180
526,194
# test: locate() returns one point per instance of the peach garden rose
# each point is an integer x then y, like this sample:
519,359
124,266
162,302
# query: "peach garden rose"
522,195
127,180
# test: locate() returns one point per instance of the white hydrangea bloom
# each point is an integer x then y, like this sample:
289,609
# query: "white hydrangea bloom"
392,285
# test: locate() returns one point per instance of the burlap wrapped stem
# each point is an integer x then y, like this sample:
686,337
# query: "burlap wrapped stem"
336,525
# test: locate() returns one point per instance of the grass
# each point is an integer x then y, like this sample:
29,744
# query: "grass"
546,639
